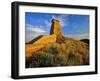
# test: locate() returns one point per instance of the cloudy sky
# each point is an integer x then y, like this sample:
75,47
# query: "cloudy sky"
75,26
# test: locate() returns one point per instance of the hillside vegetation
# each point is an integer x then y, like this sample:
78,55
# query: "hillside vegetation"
63,52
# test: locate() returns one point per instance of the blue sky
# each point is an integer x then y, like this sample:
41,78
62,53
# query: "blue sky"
75,26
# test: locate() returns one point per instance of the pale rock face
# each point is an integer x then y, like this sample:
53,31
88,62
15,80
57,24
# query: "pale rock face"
56,28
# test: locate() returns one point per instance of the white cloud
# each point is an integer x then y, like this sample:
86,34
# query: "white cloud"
32,32
54,17
62,18
47,23
84,36
79,36
36,30
30,28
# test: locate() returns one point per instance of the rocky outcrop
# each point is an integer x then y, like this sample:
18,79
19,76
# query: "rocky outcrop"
56,28
36,44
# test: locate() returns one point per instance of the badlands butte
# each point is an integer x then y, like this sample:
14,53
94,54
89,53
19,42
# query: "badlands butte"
56,49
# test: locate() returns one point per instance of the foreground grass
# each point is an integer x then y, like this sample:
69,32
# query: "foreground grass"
67,52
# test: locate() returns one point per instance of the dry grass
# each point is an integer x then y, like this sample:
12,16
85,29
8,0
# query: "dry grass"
46,39
68,53
31,48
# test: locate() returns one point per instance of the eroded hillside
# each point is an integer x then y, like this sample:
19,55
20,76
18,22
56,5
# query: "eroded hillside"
70,53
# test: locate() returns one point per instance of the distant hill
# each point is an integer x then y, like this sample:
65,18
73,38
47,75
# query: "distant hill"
85,41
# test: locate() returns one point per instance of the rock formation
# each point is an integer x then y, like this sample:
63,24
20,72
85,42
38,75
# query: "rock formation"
56,35
56,28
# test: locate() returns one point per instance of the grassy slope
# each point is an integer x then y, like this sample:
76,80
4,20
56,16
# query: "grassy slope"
38,43
68,52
